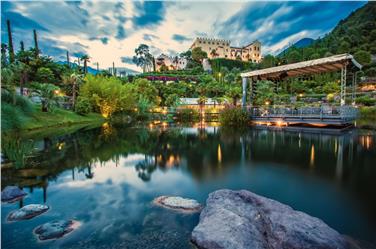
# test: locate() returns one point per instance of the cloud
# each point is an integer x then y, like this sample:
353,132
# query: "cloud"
180,38
127,59
274,22
110,31
150,13
150,37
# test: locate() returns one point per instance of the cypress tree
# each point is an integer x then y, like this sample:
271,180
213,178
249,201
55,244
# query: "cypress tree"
68,61
22,46
36,43
10,43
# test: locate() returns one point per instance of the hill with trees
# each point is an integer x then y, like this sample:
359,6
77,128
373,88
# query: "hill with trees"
355,34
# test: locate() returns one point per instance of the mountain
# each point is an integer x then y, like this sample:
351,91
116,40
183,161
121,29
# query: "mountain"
302,43
356,34
95,72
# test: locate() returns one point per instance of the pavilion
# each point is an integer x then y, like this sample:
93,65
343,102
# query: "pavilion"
342,62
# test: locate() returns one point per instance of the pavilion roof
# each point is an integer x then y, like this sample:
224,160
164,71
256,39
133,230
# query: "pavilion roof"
326,64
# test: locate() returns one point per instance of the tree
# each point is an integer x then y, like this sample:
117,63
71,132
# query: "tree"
143,58
198,54
268,61
264,92
45,75
86,59
293,56
48,94
10,43
172,100
36,46
108,95
4,49
74,80
344,47
234,92
363,57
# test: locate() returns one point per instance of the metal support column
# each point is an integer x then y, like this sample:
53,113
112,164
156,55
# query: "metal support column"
353,89
244,92
343,85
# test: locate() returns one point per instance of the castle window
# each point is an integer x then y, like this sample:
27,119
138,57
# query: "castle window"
226,56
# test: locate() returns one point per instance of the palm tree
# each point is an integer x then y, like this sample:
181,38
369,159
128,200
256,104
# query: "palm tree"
86,59
47,93
75,80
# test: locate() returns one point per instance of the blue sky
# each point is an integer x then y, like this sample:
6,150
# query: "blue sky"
110,31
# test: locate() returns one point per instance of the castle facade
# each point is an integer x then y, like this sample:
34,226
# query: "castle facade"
218,48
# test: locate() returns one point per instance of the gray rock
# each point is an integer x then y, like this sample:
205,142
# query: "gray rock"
242,219
12,194
178,203
55,229
27,212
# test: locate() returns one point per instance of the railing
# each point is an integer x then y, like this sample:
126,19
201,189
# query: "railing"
338,112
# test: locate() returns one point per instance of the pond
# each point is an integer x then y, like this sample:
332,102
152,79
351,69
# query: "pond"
107,178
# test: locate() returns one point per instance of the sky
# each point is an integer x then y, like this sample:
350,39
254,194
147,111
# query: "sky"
109,31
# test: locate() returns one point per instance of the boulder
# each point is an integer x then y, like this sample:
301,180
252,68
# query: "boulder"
55,229
27,212
178,203
12,194
242,219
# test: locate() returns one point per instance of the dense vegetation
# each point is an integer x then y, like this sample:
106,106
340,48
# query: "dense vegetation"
35,86
356,34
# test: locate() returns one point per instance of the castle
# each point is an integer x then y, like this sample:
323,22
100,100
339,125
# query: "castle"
218,48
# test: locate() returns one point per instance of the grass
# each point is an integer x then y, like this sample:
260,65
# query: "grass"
15,119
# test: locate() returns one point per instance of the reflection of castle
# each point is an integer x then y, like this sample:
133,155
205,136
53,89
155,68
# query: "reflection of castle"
217,48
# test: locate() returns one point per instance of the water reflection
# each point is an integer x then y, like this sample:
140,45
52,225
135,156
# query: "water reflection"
199,159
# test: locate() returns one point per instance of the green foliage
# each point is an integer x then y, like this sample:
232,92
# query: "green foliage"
187,115
363,57
107,95
172,100
198,54
21,102
10,116
331,87
265,92
44,75
144,89
355,34
143,58
82,106
368,113
234,117
48,94
219,63
365,100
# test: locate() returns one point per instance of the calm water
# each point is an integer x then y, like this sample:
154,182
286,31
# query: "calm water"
106,178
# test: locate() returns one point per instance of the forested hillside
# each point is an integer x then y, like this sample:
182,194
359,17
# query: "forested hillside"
356,34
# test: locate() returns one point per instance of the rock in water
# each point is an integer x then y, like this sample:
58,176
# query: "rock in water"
12,193
178,203
55,229
27,212
242,219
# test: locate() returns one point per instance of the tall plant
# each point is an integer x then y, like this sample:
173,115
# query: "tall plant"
10,43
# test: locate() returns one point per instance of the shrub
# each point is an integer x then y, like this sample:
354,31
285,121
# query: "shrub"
23,103
187,115
368,113
233,116
10,116
83,106
365,100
